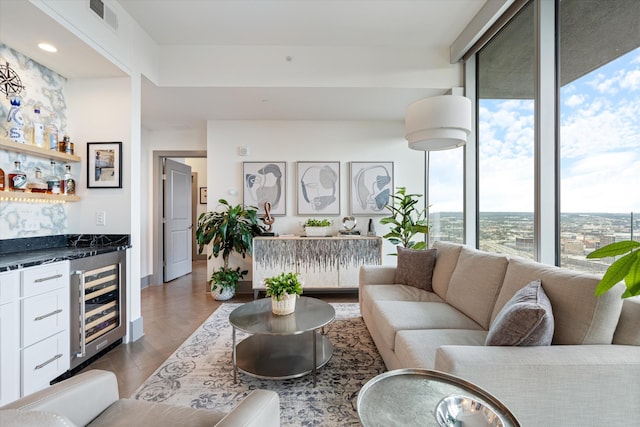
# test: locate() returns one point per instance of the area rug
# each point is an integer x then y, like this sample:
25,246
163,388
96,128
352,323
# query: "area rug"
200,373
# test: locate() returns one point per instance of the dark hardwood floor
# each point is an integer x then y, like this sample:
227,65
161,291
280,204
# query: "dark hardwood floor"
171,313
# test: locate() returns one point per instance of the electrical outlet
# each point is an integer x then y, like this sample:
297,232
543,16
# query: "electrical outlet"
31,225
101,218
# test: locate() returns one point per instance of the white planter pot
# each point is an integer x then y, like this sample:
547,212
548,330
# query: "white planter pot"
317,231
285,306
223,294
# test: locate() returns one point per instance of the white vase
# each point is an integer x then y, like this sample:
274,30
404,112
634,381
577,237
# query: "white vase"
317,231
286,305
223,293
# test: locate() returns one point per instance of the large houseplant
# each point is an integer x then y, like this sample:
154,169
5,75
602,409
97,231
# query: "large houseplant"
406,220
625,268
229,230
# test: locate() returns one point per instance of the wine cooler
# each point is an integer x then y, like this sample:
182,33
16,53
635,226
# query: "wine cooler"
98,304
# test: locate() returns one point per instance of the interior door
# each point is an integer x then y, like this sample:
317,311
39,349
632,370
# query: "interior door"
177,219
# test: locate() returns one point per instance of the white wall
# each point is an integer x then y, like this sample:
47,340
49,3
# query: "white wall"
292,141
199,166
99,110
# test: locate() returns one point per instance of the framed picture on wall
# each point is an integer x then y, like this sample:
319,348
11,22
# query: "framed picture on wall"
265,182
318,188
371,186
104,164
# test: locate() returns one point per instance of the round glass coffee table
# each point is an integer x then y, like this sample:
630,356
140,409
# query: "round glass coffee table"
281,347
421,397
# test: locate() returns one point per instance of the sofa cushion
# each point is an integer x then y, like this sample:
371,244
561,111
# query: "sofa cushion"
415,268
579,316
628,329
525,320
417,348
371,293
475,284
389,317
446,259
129,412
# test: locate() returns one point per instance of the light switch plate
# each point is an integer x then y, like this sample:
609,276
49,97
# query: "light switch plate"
101,218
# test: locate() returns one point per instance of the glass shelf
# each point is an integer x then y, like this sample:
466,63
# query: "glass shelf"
25,197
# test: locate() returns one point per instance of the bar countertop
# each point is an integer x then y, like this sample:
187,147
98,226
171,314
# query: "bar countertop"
27,252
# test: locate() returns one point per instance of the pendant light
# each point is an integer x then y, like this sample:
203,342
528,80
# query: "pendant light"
438,123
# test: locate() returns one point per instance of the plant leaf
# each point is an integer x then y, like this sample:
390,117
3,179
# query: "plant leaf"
613,249
616,272
632,279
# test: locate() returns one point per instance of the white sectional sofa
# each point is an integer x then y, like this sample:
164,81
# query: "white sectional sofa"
588,376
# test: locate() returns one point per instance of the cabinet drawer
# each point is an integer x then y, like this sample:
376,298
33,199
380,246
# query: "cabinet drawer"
9,286
44,278
44,315
44,361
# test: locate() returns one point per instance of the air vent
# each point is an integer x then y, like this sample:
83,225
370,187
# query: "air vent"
104,12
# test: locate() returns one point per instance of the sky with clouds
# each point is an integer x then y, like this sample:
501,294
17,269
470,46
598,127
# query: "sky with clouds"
600,148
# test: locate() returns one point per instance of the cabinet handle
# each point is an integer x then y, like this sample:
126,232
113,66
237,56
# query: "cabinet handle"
45,279
83,322
53,359
44,316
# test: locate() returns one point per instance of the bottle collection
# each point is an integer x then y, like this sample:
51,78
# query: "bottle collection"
17,180
44,134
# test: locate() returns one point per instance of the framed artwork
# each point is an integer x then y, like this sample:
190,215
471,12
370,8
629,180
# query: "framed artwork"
104,164
371,186
318,188
203,195
265,182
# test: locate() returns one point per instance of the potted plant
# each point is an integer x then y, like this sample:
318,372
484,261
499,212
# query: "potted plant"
283,290
317,227
230,230
625,268
406,220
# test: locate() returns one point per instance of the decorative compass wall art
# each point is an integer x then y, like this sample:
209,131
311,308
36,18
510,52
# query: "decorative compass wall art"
10,83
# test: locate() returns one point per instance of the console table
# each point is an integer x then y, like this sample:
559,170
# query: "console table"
324,263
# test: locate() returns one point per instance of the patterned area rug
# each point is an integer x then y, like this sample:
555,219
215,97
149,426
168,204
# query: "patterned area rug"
200,373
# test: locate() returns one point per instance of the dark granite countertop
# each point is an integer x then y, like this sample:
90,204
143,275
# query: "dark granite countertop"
27,252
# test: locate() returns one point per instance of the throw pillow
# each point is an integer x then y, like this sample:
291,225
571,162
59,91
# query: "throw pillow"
415,267
525,320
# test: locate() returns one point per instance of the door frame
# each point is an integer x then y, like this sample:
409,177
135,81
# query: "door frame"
157,277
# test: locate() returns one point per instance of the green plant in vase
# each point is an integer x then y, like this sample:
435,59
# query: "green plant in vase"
406,220
229,230
283,290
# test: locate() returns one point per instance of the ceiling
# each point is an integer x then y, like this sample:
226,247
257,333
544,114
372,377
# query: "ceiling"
431,25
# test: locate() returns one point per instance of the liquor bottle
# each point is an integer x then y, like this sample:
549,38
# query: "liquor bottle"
16,121
53,181
37,128
68,183
51,133
17,178
1,179
37,184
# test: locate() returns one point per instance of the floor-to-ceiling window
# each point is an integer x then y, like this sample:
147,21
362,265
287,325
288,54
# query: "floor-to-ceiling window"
594,136
446,195
599,127
505,96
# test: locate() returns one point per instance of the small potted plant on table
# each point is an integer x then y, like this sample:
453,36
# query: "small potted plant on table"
283,290
317,227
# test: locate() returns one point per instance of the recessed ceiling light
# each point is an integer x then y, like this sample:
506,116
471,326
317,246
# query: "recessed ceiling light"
47,47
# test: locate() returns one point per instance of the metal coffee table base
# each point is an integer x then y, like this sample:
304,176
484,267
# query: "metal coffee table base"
282,356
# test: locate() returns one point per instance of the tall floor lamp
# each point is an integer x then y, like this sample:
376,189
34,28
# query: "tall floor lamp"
437,123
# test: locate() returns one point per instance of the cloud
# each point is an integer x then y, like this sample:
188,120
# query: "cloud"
574,100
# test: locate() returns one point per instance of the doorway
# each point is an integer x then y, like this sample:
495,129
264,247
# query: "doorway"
158,251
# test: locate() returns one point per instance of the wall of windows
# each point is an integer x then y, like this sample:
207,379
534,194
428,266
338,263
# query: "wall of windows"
558,146
505,99
599,127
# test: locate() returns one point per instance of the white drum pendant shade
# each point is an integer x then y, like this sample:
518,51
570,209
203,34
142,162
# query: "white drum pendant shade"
438,123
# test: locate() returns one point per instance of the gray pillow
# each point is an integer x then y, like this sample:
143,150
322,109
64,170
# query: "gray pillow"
525,320
415,268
